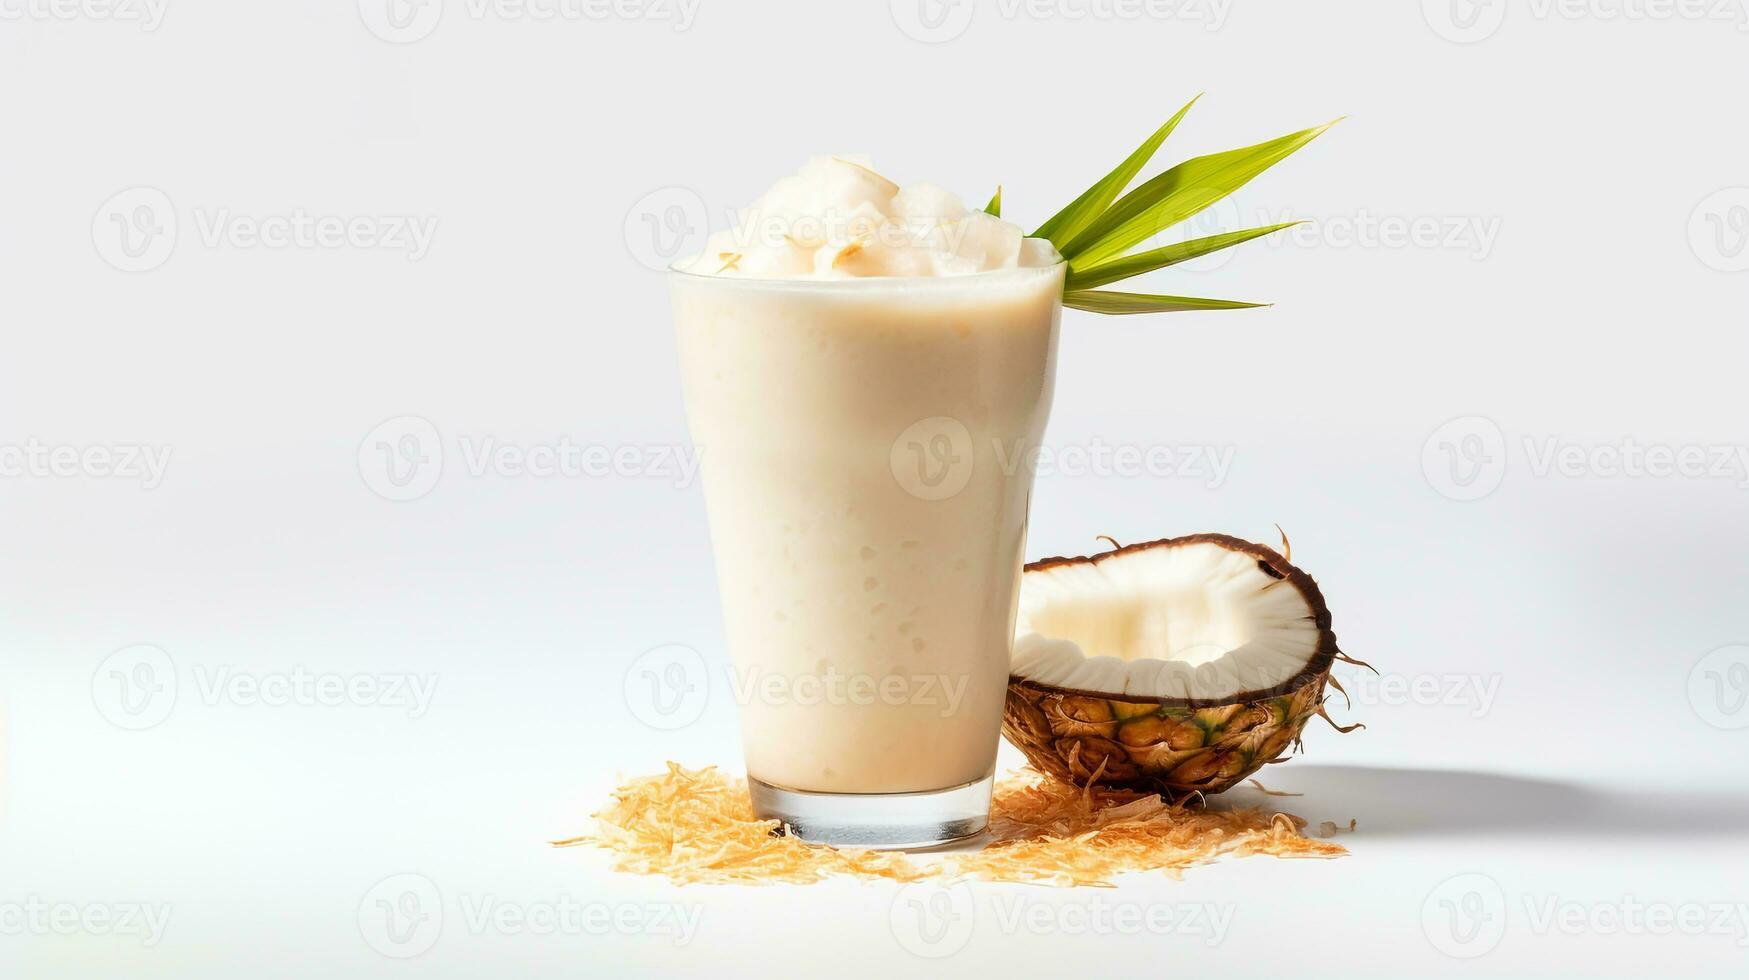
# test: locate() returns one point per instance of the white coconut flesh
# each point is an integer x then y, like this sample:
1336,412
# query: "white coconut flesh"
1197,622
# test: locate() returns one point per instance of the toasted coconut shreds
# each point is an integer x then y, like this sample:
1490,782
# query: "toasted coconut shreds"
697,826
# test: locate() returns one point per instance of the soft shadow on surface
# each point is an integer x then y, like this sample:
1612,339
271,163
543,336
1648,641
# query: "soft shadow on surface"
1435,802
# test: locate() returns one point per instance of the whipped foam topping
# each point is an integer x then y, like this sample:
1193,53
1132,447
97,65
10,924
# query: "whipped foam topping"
837,218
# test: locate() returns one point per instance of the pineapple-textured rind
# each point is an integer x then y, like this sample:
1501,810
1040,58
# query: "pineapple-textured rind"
1176,752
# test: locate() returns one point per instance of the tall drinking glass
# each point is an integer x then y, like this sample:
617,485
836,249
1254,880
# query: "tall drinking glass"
866,452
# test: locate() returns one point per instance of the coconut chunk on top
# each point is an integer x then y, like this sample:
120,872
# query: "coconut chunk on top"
836,218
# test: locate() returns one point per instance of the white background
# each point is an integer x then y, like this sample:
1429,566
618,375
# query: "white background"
1554,731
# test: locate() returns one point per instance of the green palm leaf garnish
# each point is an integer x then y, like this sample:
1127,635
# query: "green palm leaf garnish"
1106,301
1178,194
1095,230
1160,258
1081,212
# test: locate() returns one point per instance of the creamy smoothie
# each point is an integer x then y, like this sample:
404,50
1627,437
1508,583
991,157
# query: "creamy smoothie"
866,376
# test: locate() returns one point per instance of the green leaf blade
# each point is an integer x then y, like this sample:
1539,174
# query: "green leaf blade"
1120,304
1084,210
1177,194
1134,265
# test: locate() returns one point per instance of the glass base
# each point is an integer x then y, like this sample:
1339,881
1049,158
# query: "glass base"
879,821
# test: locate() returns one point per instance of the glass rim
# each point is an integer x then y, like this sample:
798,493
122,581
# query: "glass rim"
870,283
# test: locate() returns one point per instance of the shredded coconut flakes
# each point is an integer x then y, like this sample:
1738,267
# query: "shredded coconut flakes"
696,826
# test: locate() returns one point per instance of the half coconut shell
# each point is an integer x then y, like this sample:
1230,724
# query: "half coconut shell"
1177,666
